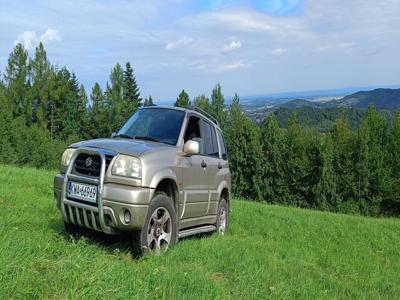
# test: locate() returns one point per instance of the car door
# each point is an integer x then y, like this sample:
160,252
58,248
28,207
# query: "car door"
194,176
214,166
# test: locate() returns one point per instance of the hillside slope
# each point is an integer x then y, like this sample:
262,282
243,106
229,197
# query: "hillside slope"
380,98
270,252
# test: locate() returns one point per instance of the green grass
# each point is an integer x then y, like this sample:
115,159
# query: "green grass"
270,252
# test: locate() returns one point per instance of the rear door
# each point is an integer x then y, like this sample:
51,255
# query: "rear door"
214,174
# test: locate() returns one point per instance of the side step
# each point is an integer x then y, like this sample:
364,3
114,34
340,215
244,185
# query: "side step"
197,230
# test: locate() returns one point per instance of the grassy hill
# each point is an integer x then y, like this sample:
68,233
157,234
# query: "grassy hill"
270,252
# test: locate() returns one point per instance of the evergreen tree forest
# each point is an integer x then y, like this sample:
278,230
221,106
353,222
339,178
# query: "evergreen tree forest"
347,168
44,108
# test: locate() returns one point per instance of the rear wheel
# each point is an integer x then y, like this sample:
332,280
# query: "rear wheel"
222,217
160,230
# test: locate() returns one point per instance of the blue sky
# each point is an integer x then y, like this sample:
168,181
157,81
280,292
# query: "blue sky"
250,47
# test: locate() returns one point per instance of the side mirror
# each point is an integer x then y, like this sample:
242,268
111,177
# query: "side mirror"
191,147
113,134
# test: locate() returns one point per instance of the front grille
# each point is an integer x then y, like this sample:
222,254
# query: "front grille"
85,217
82,166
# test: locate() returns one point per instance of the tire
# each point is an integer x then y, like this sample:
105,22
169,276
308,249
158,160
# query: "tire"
222,223
72,230
160,230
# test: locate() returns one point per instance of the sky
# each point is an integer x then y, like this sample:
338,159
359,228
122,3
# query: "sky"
250,47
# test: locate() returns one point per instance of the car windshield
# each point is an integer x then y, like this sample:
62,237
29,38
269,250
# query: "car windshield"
154,124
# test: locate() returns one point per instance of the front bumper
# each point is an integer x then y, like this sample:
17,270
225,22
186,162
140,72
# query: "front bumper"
108,215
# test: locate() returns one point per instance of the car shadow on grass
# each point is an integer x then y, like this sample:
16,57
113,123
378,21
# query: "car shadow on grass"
113,244
110,243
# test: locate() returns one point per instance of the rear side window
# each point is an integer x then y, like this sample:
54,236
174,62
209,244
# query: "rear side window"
210,140
224,153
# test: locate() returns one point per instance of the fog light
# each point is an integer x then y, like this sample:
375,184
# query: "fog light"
127,216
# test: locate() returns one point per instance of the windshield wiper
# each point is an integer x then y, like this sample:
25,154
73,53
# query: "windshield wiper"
147,138
123,135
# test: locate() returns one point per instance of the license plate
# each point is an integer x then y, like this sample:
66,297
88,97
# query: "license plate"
82,191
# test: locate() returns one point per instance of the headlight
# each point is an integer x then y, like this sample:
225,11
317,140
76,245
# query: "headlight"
66,157
127,166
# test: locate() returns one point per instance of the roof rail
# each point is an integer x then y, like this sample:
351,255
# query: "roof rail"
208,115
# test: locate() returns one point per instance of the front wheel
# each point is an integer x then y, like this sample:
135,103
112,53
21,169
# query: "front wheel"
160,230
222,217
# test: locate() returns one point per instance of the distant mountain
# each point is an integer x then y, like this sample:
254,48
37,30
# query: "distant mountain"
314,95
298,103
380,98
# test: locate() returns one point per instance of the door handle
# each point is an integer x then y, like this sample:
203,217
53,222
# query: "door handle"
203,164
219,166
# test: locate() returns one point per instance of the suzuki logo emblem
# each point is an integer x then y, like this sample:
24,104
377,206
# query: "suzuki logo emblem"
88,162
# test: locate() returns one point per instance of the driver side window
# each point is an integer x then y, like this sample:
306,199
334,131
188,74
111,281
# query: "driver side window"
193,132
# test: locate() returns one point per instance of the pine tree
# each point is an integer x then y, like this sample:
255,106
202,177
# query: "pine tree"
99,114
151,102
394,158
72,112
218,106
82,112
372,161
296,164
18,85
6,114
326,195
115,97
344,149
275,185
64,109
148,101
362,160
131,93
245,154
41,89
203,103
182,100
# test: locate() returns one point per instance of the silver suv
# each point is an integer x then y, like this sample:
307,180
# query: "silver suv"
163,176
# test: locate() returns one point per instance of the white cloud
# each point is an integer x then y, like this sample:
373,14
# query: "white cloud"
248,21
216,66
30,40
231,46
50,35
332,35
231,67
179,43
279,51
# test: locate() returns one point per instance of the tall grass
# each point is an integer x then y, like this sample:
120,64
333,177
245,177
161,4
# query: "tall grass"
270,252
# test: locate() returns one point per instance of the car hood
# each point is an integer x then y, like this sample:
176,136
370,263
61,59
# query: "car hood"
123,146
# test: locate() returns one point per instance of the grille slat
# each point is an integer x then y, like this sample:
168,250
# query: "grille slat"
93,170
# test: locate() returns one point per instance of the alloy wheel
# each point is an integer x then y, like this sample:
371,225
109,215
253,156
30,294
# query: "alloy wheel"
159,230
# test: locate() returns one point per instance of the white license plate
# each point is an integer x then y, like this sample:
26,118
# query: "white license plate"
82,191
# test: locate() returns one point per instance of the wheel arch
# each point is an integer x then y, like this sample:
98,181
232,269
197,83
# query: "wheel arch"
168,186
224,193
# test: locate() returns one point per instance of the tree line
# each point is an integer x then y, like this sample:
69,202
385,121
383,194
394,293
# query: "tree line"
43,108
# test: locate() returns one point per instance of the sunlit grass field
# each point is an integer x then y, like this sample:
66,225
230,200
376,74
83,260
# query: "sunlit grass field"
270,252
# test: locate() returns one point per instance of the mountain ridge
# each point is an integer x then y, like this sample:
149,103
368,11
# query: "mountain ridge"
381,98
